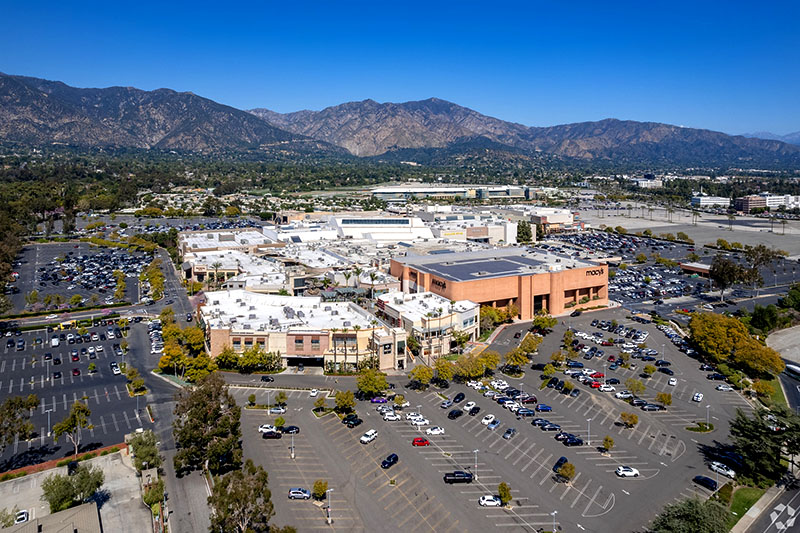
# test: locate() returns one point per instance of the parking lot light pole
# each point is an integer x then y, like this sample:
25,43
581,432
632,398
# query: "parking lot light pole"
48,421
707,407
589,432
553,514
328,498
476,463
292,445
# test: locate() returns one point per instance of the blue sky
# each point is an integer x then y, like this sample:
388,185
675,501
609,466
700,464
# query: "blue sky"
727,66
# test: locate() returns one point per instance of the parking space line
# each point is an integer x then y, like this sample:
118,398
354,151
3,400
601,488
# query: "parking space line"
523,454
577,476
532,461
645,432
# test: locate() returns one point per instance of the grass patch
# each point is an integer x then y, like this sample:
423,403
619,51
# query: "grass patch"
743,500
777,397
701,427
324,412
451,357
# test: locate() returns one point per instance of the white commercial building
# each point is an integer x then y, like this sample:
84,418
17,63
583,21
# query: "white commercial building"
431,319
710,201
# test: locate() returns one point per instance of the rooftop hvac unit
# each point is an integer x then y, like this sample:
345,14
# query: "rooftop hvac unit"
252,308
334,312
233,320
238,300
215,302
327,308
251,317
346,324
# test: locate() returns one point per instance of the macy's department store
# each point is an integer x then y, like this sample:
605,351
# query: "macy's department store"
498,277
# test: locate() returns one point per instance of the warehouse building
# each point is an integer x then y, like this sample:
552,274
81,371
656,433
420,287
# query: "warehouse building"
532,281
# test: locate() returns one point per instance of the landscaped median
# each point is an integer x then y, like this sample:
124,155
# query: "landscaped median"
25,470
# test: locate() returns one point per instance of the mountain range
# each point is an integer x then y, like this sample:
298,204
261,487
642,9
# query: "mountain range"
36,112
791,138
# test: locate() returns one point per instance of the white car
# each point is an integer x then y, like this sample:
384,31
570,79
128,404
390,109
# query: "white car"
698,397
263,428
404,404
391,417
91,349
420,422
722,469
51,317
369,436
490,394
488,419
672,382
468,406
623,395
412,416
313,393
489,501
626,471
435,430
724,388
512,406
99,348
607,388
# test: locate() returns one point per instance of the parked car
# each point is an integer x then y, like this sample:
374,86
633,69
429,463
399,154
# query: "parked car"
723,469
457,477
420,441
626,471
299,494
390,461
369,436
706,482
489,501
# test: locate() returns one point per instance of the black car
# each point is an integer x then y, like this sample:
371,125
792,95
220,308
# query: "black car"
56,375
560,385
667,371
538,366
706,482
390,461
271,435
561,462
290,430
706,367
638,402
575,313
457,477
188,317
455,413
573,441
716,377
353,422
552,383
662,362
612,381
267,379
563,435
56,361
539,422
458,397
351,416
474,411
575,393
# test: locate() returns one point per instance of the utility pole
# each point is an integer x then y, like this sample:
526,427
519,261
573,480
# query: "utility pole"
328,498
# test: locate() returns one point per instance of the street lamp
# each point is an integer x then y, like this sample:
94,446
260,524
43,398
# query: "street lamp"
589,432
48,420
707,424
475,452
327,497
553,514
292,446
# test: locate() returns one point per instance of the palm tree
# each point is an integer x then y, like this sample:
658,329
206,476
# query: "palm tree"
772,223
372,277
650,210
669,211
783,223
347,274
333,338
356,328
357,271
216,266
731,218
695,215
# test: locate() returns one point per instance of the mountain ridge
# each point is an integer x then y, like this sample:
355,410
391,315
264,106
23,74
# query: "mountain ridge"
369,128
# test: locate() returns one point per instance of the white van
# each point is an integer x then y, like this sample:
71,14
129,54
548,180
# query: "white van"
54,342
369,436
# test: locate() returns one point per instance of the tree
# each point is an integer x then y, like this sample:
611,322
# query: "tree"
763,389
691,516
444,369
207,428
516,357
504,491
251,399
280,398
567,471
319,489
62,492
227,359
167,315
460,338
77,419
641,258
15,421
608,443
371,382
421,373
145,450
241,501
319,403
75,300
194,339
635,386
280,422
548,370
725,272
543,321
629,419
345,401
649,370
199,367
399,400
759,444
558,357
490,359
524,231
664,398
569,336
251,360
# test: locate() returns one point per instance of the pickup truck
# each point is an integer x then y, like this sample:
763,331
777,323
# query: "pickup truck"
458,477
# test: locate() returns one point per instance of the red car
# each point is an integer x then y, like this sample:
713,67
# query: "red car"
75,358
595,384
76,372
420,441
606,343
598,375
611,358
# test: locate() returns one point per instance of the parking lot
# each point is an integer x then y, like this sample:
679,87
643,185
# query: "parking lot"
411,495
58,381
67,269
